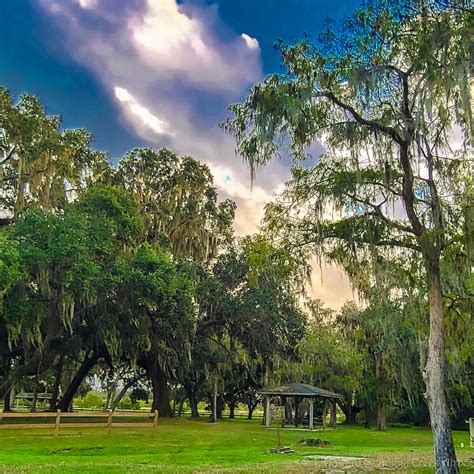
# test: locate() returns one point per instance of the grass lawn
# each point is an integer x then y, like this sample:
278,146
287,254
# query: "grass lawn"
184,445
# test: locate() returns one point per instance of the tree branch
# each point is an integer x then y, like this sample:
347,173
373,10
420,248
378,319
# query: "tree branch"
8,156
389,131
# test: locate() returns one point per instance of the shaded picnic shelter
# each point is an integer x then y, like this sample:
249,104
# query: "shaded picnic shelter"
299,392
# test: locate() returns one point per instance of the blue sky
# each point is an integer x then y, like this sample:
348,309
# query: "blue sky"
33,58
161,73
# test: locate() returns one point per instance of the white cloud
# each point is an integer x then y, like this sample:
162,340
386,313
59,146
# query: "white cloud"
168,40
137,111
165,29
252,43
87,4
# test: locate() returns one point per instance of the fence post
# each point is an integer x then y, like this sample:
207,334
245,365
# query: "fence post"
58,422
155,422
109,422
471,432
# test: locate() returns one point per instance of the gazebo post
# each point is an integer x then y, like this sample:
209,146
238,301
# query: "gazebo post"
325,412
267,411
333,412
297,410
311,413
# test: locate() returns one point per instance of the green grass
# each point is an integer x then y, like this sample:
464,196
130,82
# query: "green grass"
184,445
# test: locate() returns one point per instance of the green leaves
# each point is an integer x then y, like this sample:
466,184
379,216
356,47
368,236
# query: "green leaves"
9,265
177,201
47,167
115,206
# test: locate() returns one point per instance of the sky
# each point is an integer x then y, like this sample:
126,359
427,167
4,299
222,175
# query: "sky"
162,73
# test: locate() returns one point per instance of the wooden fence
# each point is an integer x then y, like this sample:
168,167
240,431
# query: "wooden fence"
108,420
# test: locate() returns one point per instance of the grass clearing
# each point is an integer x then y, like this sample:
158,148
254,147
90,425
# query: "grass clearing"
184,445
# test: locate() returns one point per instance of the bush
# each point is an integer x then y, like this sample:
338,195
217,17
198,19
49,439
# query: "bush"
127,404
91,400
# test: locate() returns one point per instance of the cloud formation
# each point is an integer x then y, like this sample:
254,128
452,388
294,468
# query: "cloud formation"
252,43
172,69
136,111
172,76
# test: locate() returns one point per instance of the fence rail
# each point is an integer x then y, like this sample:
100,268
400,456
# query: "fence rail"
111,419
224,414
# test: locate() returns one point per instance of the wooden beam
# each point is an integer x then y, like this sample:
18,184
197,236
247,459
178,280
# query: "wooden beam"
57,423
325,412
311,413
297,405
333,413
471,432
267,411
155,422
109,422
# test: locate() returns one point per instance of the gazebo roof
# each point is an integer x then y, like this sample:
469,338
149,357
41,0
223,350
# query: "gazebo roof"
300,390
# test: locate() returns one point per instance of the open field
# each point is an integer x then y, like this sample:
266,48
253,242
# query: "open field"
184,445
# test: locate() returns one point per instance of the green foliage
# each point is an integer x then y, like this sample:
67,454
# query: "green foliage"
9,264
165,185
90,400
44,164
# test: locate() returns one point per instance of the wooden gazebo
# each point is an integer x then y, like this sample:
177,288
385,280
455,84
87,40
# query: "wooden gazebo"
299,391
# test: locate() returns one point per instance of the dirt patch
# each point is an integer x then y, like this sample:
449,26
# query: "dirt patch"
388,463
81,451
314,442
281,450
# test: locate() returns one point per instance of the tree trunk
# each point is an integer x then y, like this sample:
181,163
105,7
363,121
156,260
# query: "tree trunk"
180,407
288,411
111,389
251,408
35,398
214,403
7,406
29,368
324,414
116,400
232,403
159,383
251,405
220,406
381,418
367,416
379,374
297,412
56,384
350,412
65,404
445,456
193,403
